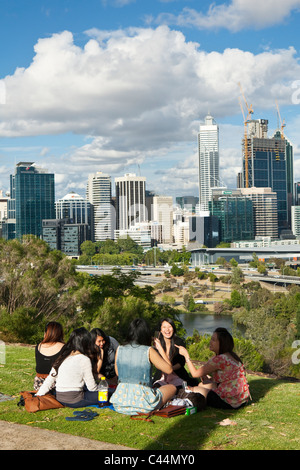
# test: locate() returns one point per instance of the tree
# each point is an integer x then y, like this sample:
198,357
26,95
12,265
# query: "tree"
237,276
37,283
129,245
176,271
88,248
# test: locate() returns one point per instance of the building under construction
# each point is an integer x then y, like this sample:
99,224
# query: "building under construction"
268,163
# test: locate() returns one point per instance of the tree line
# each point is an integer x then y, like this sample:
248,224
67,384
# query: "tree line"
38,285
126,251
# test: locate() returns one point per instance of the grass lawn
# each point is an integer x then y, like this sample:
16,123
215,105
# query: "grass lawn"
270,422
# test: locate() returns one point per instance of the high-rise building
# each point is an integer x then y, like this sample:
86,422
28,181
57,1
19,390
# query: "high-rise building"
76,209
235,214
204,230
31,199
130,200
295,213
188,202
62,235
208,153
99,195
265,217
163,214
297,193
268,163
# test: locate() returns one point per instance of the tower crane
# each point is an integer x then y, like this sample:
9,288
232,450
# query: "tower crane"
246,120
282,123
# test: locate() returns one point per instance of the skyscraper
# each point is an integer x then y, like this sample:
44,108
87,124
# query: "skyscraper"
269,164
75,208
208,153
265,218
163,214
235,213
32,198
130,200
99,195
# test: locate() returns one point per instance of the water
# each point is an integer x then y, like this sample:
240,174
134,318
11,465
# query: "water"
206,324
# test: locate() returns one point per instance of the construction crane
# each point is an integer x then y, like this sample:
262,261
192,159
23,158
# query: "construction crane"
246,120
282,123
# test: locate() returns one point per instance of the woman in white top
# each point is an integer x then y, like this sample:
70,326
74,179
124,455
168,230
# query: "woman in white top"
72,372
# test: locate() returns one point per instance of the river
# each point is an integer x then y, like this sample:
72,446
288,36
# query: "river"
205,324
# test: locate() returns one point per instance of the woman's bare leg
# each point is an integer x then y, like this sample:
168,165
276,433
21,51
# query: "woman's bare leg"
168,392
202,388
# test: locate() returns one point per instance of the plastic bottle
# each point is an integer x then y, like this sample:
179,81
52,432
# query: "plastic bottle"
102,392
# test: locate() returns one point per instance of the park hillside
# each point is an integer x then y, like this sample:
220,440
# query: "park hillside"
39,285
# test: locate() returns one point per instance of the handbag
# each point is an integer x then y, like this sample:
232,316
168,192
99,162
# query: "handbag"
170,411
35,403
166,412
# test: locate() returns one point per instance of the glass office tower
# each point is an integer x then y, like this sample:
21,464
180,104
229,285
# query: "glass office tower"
33,190
235,214
270,165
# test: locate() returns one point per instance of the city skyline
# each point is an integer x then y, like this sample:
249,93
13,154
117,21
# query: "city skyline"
122,86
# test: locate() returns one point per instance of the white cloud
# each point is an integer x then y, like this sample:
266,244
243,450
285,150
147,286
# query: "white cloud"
138,94
137,86
235,15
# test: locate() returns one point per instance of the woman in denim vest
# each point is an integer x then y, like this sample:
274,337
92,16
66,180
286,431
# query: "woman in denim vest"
134,393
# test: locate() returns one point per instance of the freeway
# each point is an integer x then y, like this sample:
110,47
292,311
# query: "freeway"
149,273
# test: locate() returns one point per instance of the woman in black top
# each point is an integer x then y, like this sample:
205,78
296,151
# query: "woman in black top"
165,345
47,351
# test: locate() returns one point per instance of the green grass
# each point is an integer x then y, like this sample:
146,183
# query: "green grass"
271,422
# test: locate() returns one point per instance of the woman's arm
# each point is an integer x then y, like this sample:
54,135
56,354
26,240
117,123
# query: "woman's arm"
160,363
161,351
116,369
196,373
100,362
87,374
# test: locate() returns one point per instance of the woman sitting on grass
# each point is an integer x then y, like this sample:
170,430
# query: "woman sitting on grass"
166,343
47,351
106,347
72,372
134,393
227,387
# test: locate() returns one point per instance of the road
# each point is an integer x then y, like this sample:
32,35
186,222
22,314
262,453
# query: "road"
149,273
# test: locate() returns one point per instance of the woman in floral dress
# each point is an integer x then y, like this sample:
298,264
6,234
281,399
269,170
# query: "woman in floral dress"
224,384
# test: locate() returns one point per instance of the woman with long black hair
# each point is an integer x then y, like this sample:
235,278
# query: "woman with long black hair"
106,350
167,343
72,372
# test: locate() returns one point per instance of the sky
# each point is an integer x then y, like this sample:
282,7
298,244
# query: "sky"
122,86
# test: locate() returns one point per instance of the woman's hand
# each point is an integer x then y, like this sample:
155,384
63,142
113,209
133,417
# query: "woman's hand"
183,352
157,344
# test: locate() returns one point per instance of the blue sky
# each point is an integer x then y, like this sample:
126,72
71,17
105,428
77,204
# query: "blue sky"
122,85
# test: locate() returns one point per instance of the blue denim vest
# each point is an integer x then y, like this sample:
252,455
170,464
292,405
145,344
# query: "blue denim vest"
133,364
